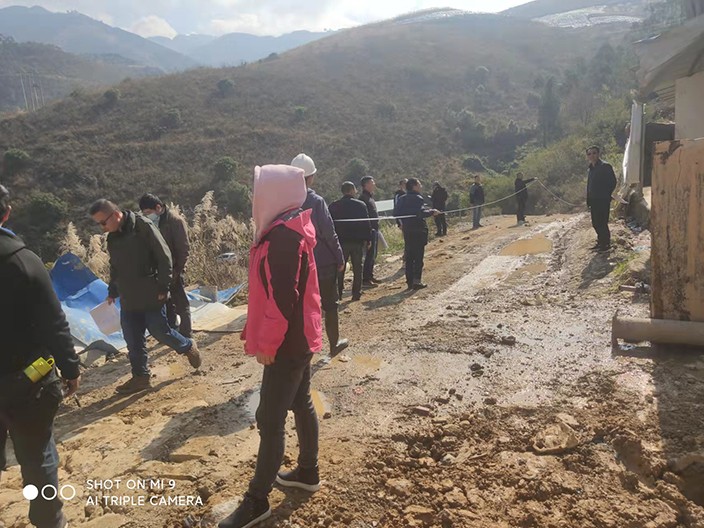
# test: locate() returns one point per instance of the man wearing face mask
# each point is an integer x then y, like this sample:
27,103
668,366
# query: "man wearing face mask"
173,229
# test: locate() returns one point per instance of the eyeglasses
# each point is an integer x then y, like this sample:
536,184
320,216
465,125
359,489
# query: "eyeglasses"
105,222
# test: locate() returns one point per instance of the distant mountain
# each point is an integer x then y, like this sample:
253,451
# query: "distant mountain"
184,44
77,33
234,48
33,74
583,13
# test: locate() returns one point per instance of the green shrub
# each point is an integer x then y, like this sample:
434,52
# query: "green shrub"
15,161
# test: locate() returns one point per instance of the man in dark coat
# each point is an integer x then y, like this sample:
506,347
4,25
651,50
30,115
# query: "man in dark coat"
439,199
355,237
34,333
601,182
476,200
328,254
415,231
173,228
521,197
140,275
368,187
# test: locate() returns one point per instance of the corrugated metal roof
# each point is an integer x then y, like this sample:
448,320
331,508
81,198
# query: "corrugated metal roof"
673,55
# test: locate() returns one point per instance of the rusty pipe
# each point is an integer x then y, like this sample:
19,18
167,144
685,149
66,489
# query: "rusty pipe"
663,331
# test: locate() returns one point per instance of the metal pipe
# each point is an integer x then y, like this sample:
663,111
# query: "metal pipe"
663,331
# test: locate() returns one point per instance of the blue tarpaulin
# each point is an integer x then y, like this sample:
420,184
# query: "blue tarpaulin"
79,291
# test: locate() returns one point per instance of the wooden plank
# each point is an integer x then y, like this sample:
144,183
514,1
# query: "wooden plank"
677,227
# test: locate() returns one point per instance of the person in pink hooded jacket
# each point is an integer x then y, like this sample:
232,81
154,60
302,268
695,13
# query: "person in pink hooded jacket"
283,330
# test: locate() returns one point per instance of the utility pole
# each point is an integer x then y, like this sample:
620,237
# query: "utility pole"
24,93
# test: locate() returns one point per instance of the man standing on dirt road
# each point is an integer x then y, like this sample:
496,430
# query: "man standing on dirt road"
415,231
283,331
355,237
439,200
601,182
35,336
368,187
328,254
140,275
520,188
476,200
173,228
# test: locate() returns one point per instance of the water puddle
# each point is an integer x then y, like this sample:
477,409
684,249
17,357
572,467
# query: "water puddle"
320,403
529,246
367,361
527,271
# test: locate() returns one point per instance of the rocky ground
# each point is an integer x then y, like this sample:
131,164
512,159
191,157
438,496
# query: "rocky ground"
491,399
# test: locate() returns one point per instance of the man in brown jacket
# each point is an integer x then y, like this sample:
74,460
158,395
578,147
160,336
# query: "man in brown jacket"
173,229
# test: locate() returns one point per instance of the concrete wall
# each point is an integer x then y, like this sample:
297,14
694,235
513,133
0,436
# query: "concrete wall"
689,107
677,229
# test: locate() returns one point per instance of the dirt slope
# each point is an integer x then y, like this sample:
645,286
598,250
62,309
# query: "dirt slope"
436,414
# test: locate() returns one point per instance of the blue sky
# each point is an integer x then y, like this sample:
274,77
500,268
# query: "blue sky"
261,17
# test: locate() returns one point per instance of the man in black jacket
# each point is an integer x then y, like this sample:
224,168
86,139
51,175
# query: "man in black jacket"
368,186
476,200
173,228
354,237
439,199
415,231
33,328
140,275
601,182
520,188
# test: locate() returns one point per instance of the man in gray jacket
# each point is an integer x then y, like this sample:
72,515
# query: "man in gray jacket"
328,255
140,275
173,228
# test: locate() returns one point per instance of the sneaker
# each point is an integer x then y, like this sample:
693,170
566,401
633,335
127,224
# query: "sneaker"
251,511
307,479
193,355
603,249
595,247
356,297
135,384
368,283
339,347
420,286
374,280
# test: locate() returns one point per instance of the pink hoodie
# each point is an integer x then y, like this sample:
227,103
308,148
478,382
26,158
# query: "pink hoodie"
283,314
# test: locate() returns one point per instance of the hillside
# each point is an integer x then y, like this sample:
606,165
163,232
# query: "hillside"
77,33
541,8
233,49
33,74
406,98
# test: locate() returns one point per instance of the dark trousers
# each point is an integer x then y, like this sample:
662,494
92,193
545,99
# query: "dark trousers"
370,257
329,300
441,224
414,242
135,324
521,212
477,216
600,223
30,421
285,385
178,305
352,250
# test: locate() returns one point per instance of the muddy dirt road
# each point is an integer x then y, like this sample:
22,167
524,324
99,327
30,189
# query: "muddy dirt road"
490,399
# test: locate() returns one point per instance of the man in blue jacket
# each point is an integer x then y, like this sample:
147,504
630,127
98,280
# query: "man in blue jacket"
328,255
415,231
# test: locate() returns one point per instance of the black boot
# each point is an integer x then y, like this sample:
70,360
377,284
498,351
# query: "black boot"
250,512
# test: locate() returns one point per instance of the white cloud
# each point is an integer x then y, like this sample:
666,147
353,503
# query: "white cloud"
153,26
